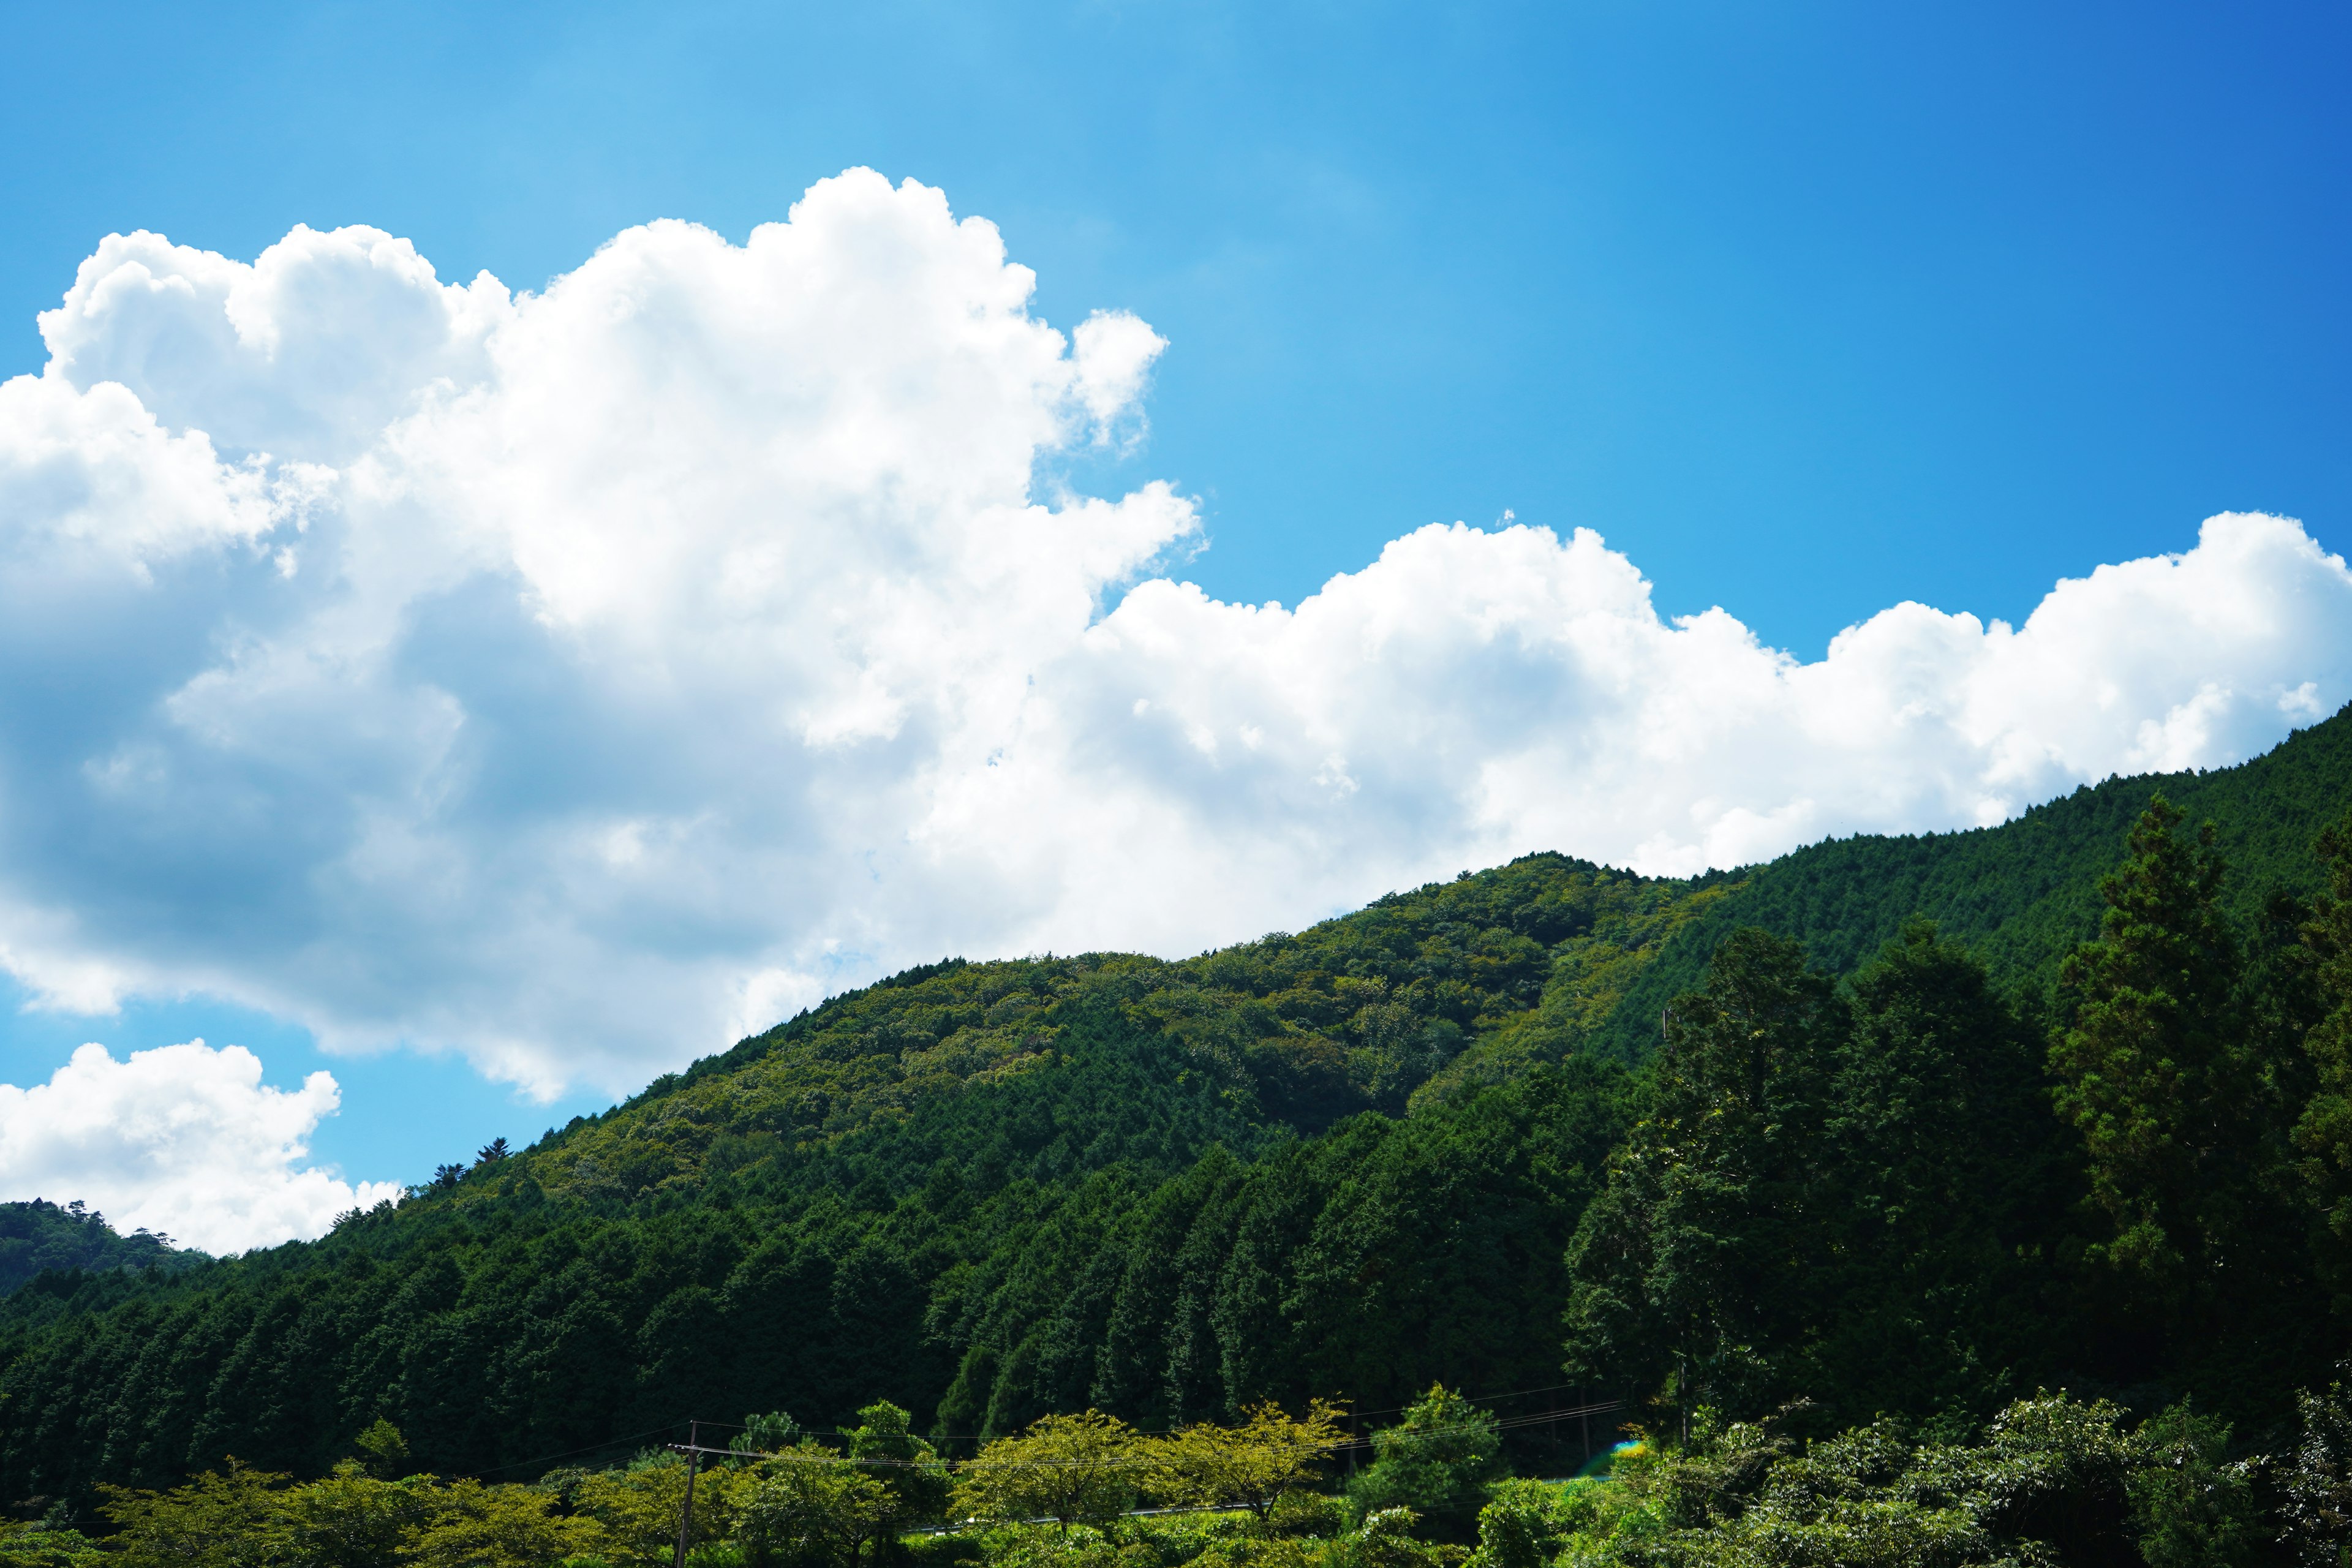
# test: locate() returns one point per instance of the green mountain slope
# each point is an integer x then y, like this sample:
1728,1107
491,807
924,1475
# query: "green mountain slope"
38,1236
2020,895
1344,1161
1429,991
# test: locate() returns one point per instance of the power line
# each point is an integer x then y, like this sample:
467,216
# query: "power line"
1114,1462
591,1447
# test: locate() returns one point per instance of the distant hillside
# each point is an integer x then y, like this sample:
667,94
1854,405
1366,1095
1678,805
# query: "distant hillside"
1348,1159
39,1236
1424,993
2021,894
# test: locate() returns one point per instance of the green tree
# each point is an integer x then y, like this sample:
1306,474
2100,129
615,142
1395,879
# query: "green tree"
383,1452
43,1545
477,1526
2316,1482
910,1469
1523,1525
1690,1271
1436,1461
638,1510
1256,1463
2194,1507
811,1509
1072,1469
2323,1131
2154,1071
354,1519
239,1519
1950,1177
770,1433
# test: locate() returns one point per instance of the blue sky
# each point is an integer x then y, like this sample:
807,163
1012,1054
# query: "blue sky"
1808,310
1811,309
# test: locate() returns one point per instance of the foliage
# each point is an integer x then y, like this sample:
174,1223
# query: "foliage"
1268,1457
907,1467
2021,895
383,1452
2323,1132
2193,1506
38,1546
237,1520
2046,1485
637,1511
1691,1269
471,1525
770,1433
1348,1162
38,1236
1434,1462
2316,1482
809,1507
2048,1480
1073,1470
2152,1072
357,1519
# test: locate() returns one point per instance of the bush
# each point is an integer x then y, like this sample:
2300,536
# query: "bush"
1434,1464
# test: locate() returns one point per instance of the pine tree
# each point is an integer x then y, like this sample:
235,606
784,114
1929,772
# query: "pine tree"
2155,1072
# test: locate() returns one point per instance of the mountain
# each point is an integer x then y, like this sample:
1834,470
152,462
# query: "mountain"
1346,1161
38,1236
2021,894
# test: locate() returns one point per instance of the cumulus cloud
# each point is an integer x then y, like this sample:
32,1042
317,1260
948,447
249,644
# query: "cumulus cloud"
575,679
183,1140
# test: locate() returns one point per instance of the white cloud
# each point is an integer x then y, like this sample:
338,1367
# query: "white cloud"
570,678
183,1140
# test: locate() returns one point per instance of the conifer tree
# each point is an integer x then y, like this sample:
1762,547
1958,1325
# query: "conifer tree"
2323,1132
1688,1269
2156,1071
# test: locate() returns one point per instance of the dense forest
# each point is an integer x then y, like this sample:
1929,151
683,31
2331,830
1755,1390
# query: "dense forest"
1993,1185
39,1236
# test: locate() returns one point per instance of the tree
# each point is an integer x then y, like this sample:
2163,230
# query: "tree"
1688,1272
234,1521
2154,1072
1255,1464
2316,1482
1436,1462
810,1507
907,1467
1072,1469
1950,1176
770,1433
35,1546
2324,1131
2193,1506
383,1452
477,1526
638,1507
354,1520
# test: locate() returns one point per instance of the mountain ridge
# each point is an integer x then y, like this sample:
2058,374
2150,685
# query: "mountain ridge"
1346,1160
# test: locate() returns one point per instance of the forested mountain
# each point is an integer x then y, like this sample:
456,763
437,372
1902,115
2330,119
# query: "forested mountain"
2021,894
1733,1141
38,1236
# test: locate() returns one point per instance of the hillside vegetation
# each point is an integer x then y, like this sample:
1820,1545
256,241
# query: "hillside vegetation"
1907,1127
38,1236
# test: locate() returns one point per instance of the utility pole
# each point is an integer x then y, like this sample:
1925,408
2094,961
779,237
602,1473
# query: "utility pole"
693,1461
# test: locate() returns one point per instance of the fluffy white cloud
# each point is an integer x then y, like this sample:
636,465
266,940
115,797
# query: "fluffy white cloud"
184,1139
572,678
